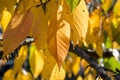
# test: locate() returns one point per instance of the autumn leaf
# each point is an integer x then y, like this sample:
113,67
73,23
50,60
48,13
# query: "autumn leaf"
94,35
17,30
80,22
116,8
58,36
39,28
24,75
107,24
7,5
57,74
6,16
36,60
106,4
51,70
18,62
48,65
9,75
76,65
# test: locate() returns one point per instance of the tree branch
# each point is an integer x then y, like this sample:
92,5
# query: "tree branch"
92,63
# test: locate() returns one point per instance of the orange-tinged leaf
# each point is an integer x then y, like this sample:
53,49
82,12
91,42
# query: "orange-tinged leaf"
58,33
39,29
36,60
22,55
78,20
17,30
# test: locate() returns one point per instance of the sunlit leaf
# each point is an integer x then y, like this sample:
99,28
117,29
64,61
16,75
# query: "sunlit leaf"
57,74
117,7
80,22
36,60
40,25
17,30
79,78
6,16
73,4
58,33
22,55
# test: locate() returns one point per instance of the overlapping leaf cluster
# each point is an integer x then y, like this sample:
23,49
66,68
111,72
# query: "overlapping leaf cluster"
52,24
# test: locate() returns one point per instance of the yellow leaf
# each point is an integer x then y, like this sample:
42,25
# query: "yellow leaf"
76,66
57,74
6,16
107,26
98,46
36,60
23,75
22,55
39,29
117,7
48,65
107,4
58,38
80,22
94,35
17,30
79,78
94,27
9,75
89,77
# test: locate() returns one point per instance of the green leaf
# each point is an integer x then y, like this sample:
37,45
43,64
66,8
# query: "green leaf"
112,63
73,4
108,43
